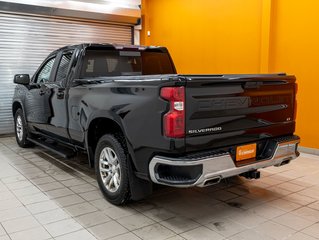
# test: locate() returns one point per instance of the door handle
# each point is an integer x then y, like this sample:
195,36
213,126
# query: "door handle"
60,94
43,89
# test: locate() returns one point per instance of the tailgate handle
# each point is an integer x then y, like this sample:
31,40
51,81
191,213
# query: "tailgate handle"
252,84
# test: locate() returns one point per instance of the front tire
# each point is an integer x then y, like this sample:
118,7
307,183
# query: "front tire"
112,170
21,131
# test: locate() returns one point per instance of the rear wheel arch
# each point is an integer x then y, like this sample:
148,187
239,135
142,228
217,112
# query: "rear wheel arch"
112,169
99,127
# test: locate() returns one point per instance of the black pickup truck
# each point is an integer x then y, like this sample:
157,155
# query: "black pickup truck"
142,123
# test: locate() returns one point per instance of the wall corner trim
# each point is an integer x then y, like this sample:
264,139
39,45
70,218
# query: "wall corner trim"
308,150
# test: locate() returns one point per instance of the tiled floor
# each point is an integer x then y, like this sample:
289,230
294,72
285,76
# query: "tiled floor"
42,197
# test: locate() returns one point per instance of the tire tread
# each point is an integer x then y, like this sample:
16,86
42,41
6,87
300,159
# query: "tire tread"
24,143
124,194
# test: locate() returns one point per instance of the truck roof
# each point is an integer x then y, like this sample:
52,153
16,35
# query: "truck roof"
114,46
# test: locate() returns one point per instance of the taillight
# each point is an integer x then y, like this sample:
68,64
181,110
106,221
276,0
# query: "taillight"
295,103
174,120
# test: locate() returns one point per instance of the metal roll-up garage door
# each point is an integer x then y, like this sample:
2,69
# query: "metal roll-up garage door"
25,41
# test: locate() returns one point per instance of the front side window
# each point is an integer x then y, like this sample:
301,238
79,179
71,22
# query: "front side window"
45,72
63,67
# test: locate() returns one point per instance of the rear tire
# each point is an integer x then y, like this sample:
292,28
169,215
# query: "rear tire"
21,130
111,169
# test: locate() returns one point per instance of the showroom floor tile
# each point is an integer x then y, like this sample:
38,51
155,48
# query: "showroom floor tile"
45,197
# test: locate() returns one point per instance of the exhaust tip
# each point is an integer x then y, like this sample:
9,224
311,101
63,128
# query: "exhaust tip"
284,162
212,181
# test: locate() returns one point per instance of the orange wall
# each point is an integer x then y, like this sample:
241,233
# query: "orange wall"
199,38
294,47
243,36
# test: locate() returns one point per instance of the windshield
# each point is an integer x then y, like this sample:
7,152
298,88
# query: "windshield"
104,63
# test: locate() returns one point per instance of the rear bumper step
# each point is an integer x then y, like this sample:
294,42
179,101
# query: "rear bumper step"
211,169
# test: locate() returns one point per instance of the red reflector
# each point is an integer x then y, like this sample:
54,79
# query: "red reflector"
174,120
174,125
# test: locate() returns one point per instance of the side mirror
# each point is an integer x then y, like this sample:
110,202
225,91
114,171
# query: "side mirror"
23,79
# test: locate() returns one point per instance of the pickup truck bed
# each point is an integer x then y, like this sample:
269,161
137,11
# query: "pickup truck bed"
141,123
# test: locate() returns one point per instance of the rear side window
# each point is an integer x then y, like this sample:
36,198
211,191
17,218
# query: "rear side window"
103,63
63,67
157,63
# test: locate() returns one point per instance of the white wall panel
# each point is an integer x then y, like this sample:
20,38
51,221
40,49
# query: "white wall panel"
25,41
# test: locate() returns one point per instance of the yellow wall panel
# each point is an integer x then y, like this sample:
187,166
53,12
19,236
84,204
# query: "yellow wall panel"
207,36
294,47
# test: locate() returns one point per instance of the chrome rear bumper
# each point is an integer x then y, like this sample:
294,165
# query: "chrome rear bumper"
214,168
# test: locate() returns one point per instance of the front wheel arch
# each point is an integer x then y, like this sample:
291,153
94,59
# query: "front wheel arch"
15,106
22,133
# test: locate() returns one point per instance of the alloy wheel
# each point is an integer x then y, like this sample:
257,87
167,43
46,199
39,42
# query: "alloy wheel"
110,169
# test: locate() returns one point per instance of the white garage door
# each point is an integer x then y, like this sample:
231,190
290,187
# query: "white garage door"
25,41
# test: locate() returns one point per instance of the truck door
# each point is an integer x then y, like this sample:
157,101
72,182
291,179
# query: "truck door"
37,107
57,125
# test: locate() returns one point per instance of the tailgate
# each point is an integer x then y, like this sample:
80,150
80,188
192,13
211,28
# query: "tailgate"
227,110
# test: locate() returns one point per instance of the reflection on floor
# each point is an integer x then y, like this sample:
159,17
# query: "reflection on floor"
44,197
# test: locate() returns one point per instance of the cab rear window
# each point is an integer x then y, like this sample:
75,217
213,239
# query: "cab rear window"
104,63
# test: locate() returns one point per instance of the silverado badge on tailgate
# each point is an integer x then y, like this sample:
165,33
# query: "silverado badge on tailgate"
246,152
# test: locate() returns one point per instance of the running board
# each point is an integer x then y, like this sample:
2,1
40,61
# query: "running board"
61,151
